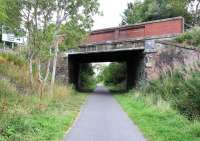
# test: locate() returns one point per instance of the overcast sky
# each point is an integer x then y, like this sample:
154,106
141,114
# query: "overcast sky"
112,10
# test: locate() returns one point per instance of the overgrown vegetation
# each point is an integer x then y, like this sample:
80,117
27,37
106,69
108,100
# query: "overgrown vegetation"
190,38
180,88
28,114
34,118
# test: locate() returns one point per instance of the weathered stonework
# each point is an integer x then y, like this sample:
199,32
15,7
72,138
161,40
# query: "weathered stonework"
62,69
168,57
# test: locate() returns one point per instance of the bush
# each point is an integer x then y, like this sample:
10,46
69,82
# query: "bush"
191,37
181,89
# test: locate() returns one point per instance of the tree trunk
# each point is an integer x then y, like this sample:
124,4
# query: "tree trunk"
39,71
54,66
48,67
56,41
31,71
197,14
47,71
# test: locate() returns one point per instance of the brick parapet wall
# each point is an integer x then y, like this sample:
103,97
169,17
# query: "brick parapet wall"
143,30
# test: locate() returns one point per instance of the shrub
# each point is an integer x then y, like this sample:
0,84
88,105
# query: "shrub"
191,37
181,89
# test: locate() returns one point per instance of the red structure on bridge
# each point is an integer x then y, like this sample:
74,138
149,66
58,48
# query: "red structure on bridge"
142,30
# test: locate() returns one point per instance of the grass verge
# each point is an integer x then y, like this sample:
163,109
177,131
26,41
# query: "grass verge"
157,122
34,118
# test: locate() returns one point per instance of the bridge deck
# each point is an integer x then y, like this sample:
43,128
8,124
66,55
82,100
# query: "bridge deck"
109,47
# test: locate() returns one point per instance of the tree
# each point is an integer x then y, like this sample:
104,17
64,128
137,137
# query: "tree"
114,74
87,80
80,11
12,10
10,15
155,9
133,14
194,7
3,16
52,27
49,23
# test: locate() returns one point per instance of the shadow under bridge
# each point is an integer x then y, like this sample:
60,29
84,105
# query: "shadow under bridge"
131,52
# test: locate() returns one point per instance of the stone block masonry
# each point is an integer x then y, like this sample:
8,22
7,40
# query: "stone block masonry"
168,56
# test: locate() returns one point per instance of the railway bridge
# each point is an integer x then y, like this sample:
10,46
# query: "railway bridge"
141,46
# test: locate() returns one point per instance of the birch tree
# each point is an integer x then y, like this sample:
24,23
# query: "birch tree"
194,8
46,23
80,11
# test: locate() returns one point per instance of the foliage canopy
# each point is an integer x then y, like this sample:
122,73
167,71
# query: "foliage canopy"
155,9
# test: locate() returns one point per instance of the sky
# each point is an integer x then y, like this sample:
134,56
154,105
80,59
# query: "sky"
112,11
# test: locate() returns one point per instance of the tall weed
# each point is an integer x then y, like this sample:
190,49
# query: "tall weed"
181,88
13,58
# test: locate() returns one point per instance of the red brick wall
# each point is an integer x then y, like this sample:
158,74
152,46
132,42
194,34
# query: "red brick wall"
164,28
148,29
131,33
101,37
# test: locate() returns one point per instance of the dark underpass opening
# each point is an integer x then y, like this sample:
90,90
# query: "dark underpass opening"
128,64
113,75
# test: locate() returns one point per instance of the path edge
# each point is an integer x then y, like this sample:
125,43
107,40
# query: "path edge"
75,120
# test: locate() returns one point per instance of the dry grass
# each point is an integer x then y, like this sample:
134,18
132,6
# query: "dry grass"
25,114
2,60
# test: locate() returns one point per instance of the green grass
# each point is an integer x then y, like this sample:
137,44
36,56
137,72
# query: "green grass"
31,118
159,122
117,87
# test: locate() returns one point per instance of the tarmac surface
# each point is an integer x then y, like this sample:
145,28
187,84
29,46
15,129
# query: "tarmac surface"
102,119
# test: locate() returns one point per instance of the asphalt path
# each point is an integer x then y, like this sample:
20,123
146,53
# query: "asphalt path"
102,119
